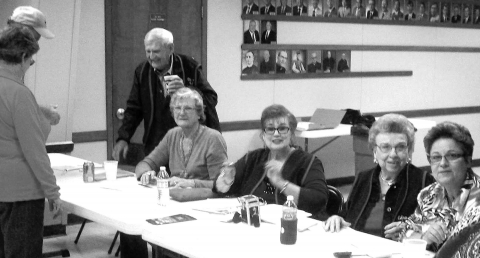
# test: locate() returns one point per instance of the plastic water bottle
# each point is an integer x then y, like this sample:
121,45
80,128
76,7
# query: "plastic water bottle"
162,187
288,230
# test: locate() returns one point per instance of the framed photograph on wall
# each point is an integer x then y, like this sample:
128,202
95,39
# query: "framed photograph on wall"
434,11
410,7
343,64
315,8
249,62
283,62
476,14
329,62
251,34
397,10
267,65
358,9
456,17
267,7
344,9
284,7
445,13
269,32
250,7
467,14
329,10
314,61
298,61
300,8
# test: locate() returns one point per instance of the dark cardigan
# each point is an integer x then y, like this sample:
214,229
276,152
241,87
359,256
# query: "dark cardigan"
250,172
400,200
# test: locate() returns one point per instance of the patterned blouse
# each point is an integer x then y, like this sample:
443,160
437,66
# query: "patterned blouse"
433,206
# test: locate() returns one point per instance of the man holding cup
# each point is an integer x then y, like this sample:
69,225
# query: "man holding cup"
155,80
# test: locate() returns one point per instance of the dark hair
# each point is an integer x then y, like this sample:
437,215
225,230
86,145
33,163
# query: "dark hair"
450,130
392,123
17,42
278,111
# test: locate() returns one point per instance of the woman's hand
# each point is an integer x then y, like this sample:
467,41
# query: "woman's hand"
335,223
436,233
394,231
177,182
146,177
55,206
273,168
226,177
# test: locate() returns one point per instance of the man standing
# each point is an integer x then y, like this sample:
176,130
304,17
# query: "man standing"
269,35
266,66
281,61
250,68
250,8
251,36
314,66
149,98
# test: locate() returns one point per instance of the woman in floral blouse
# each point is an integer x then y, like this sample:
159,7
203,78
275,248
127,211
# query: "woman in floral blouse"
452,203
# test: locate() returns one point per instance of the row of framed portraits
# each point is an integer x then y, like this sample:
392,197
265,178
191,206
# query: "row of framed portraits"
401,10
267,61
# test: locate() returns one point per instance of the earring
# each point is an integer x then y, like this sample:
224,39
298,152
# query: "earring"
409,160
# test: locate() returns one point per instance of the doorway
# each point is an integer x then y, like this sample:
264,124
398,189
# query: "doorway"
126,23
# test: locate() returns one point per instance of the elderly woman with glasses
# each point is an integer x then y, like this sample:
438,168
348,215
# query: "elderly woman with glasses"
387,192
26,177
193,152
279,169
451,204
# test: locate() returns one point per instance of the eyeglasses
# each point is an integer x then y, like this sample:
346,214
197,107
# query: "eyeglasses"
449,156
186,109
280,129
387,148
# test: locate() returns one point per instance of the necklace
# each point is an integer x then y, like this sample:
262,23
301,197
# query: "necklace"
389,182
186,148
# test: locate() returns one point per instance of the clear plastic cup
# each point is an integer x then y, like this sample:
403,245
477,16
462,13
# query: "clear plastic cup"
111,167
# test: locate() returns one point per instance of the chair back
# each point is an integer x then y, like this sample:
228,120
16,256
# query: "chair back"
335,201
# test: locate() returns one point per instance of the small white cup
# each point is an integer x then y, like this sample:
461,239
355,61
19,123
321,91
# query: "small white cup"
413,248
110,167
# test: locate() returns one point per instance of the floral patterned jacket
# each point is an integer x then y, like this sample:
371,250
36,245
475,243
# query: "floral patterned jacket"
433,206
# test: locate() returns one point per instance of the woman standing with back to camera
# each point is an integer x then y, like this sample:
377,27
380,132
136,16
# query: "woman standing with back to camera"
26,175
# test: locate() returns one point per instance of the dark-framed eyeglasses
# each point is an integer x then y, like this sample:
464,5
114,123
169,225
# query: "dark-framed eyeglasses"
387,148
280,129
451,157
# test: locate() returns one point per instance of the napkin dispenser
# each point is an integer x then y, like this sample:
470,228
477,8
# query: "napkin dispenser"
250,209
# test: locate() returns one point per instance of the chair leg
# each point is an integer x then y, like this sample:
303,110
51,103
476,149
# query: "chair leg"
118,251
113,242
80,231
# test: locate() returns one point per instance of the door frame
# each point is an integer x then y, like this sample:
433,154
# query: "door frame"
111,114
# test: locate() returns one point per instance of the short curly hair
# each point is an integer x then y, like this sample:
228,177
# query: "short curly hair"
278,111
450,130
17,43
392,123
188,93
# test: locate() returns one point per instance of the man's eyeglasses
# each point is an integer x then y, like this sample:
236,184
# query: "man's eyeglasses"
280,129
449,156
387,148
186,109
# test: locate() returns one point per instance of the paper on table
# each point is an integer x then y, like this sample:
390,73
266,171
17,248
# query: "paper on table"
220,206
273,212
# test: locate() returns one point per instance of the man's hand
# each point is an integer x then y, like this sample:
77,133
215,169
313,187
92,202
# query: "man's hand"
120,147
55,206
173,83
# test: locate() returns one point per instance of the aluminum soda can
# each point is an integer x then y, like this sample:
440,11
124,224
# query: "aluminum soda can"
88,172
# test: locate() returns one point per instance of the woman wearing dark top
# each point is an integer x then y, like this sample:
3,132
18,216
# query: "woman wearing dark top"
279,169
388,192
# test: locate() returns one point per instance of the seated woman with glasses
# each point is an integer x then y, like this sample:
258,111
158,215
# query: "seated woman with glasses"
279,169
193,152
387,192
451,204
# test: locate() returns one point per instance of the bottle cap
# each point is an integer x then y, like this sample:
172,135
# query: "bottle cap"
290,198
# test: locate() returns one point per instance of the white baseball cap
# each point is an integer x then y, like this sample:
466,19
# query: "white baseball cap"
27,15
